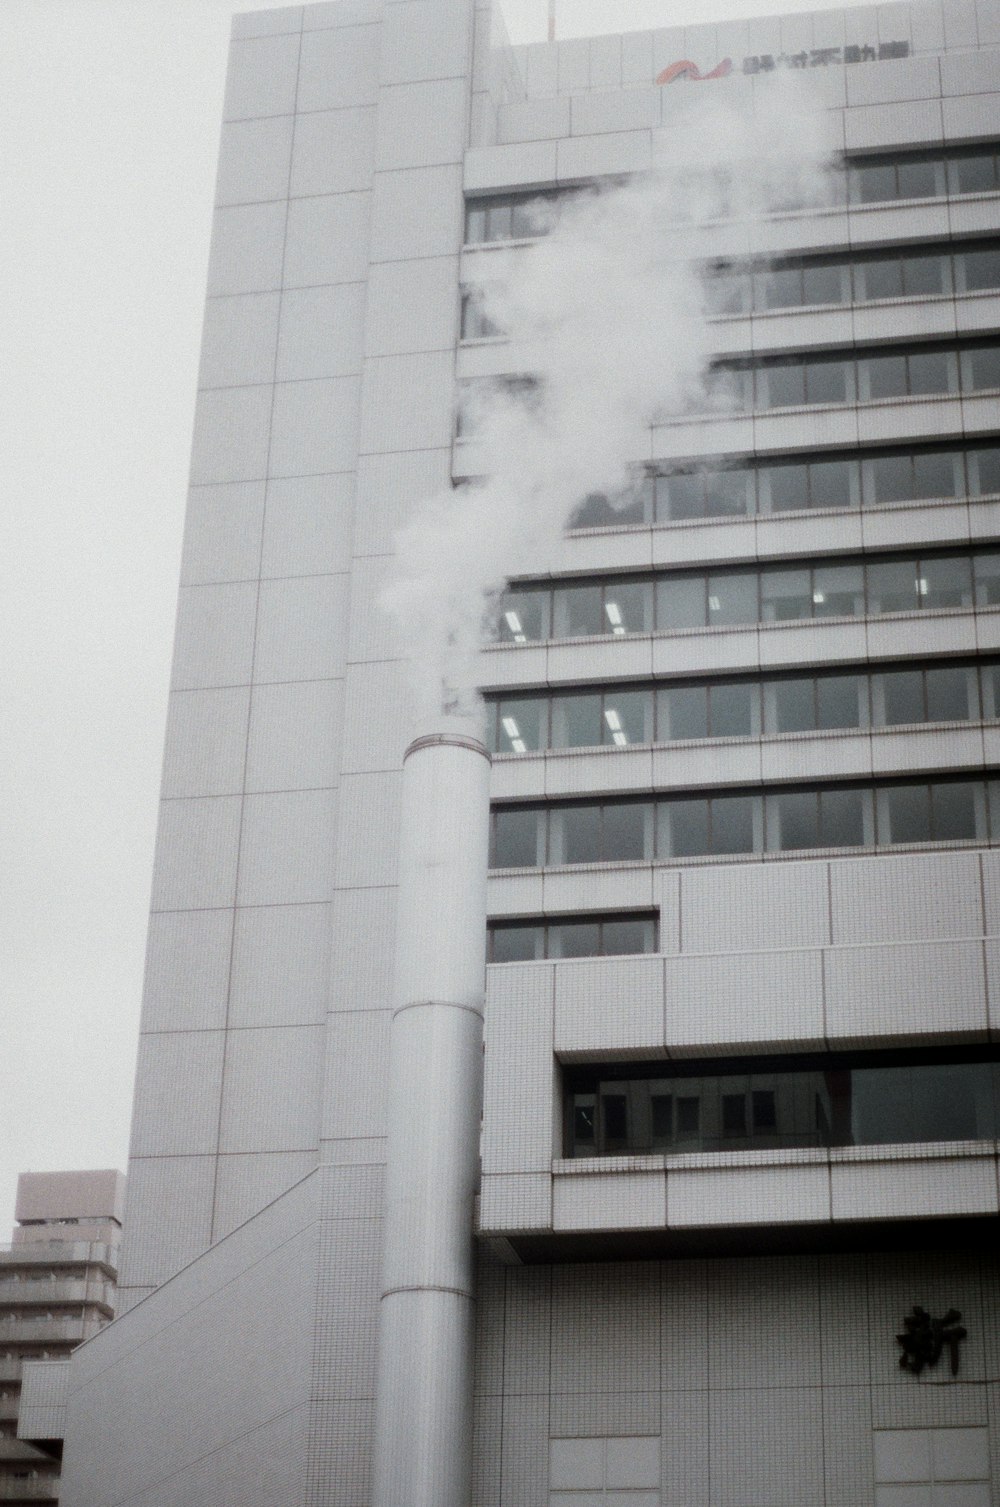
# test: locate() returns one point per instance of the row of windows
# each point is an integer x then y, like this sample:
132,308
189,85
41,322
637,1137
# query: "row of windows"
786,819
584,937
676,600
870,180
810,281
786,1103
874,478
917,272
866,377
870,376
626,715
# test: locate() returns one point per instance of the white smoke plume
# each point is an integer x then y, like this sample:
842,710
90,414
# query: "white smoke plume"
607,315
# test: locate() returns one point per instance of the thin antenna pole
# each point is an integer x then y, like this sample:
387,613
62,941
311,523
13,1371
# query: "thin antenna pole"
552,20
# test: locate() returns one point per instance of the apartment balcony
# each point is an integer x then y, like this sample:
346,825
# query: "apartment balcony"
54,1331
32,1489
9,1407
59,1253
19,1292
10,1370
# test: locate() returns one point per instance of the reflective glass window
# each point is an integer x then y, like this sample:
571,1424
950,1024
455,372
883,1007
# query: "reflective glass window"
680,496
732,598
924,275
731,708
786,595
782,386
945,582
973,173
948,694
937,473
841,818
683,712
524,616
827,381
576,834
985,463
577,612
886,376
892,478
628,607
789,488
903,696
475,225
983,366
930,372
687,823
732,823
987,570
628,717
629,936
872,182
918,178
793,819
892,586
782,287
982,269
680,602
577,721
830,484
627,832
574,939
794,706
515,839
839,590
498,222
516,944
839,701
882,278
822,284
953,807
728,494
909,814
520,726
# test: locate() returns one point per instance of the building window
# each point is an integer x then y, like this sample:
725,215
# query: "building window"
778,820
868,376
741,488
616,935
935,1467
780,1103
873,179
736,596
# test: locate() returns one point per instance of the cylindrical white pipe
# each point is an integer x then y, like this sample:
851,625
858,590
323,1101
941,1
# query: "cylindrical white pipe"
424,1389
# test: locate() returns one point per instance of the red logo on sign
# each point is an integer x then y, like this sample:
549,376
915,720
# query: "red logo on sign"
686,69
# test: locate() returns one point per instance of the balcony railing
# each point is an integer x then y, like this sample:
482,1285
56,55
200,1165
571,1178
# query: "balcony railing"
30,1489
27,1290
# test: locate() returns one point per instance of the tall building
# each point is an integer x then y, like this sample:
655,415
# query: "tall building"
57,1289
737,1213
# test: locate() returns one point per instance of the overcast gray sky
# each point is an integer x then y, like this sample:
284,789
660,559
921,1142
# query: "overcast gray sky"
109,120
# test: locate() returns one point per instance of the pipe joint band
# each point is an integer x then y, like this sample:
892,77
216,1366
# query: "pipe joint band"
438,1004
455,1292
449,740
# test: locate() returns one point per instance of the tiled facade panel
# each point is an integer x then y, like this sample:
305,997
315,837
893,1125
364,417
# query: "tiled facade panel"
767,1381
247,1304
798,956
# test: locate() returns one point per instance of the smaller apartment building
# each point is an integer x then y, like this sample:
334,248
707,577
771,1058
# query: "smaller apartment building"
57,1289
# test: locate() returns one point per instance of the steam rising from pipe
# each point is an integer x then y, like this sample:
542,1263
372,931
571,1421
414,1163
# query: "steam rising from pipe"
607,315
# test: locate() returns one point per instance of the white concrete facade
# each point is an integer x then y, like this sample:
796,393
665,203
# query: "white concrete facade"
710,1324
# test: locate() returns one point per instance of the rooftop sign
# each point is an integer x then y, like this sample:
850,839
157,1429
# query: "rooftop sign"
816,57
